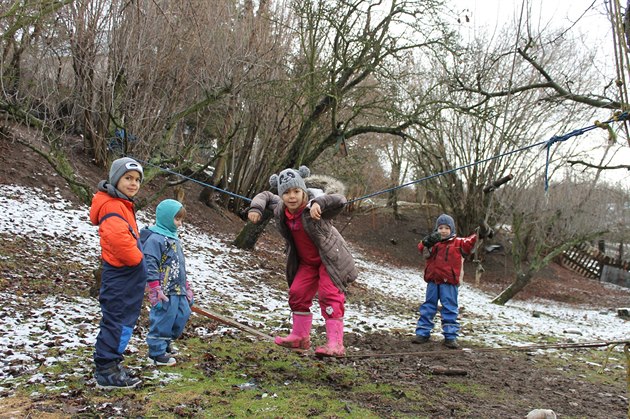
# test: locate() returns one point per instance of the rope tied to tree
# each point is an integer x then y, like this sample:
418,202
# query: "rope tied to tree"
623,116
617,117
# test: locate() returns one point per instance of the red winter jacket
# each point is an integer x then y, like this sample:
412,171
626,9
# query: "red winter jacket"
445,263
118,245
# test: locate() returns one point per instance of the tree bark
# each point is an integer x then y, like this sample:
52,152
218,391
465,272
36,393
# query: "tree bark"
249,235
522,279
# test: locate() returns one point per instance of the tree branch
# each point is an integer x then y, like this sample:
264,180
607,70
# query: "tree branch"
596,166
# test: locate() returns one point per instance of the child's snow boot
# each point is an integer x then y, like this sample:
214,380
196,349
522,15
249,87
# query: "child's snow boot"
115,377
451,343
171,349
163,360
300,337
334,337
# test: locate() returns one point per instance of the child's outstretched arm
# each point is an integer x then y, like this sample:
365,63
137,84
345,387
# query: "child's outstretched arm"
330,205
468,243
261,202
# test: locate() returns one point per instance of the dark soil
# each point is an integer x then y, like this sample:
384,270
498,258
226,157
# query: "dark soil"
500,384
496,384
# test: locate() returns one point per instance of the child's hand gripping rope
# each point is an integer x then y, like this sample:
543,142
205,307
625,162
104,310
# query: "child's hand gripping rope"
484,230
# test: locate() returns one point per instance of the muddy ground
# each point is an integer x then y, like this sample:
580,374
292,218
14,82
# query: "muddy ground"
472,383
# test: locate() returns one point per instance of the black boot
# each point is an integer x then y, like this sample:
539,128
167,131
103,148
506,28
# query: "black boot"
115,377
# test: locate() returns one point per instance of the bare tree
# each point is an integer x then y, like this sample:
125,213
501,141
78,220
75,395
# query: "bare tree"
543,225
564,83
470,130
32,69
348,55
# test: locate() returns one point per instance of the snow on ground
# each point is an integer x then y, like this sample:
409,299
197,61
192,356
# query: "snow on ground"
221,277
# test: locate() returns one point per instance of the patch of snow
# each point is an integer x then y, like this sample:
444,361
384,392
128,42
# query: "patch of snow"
221,278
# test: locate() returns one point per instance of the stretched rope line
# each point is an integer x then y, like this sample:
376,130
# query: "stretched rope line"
192,179
447,172
547,143
505,348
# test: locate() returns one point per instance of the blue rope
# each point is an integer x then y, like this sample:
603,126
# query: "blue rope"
246,199
447,171
547,143
557,139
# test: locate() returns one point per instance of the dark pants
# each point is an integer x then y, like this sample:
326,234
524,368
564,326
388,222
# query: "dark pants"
122,292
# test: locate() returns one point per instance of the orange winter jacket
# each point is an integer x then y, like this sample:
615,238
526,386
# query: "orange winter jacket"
119,247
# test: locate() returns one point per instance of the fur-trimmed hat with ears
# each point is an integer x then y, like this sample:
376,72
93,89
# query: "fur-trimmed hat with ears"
290,178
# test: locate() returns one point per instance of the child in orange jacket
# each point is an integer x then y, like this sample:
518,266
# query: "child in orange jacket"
123,275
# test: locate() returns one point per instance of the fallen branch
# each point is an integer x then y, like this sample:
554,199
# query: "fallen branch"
439,370
231,322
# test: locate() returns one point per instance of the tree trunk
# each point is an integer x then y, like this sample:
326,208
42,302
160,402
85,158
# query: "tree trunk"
392,202
249,235
522,279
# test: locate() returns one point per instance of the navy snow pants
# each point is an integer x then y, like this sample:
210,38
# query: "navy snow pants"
122,292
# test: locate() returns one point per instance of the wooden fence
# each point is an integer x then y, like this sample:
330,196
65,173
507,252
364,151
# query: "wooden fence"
589,261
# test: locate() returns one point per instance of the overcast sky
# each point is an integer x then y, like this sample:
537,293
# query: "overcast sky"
556,12
583,17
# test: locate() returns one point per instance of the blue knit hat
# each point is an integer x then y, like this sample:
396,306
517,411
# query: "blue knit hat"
446,219
165,214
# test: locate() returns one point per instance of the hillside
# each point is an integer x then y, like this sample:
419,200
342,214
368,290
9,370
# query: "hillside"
48,251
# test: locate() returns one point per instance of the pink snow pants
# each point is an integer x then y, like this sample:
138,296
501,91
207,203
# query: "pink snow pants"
310,280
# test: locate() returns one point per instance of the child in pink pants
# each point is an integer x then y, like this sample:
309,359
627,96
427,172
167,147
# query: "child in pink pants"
318,259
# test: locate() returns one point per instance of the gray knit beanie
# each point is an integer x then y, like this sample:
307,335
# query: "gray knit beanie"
290,178
122,166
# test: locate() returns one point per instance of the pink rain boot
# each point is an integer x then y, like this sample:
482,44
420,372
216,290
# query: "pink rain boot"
334,336
300,337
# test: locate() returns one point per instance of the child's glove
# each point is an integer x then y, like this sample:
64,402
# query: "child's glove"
431,240
156,295
189,294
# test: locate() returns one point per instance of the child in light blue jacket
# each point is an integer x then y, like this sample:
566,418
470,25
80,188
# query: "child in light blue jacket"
168,290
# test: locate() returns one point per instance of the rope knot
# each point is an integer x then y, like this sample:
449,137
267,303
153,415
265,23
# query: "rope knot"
554,139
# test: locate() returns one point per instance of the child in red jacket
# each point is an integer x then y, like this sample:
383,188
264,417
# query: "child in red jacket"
123,275
443,271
